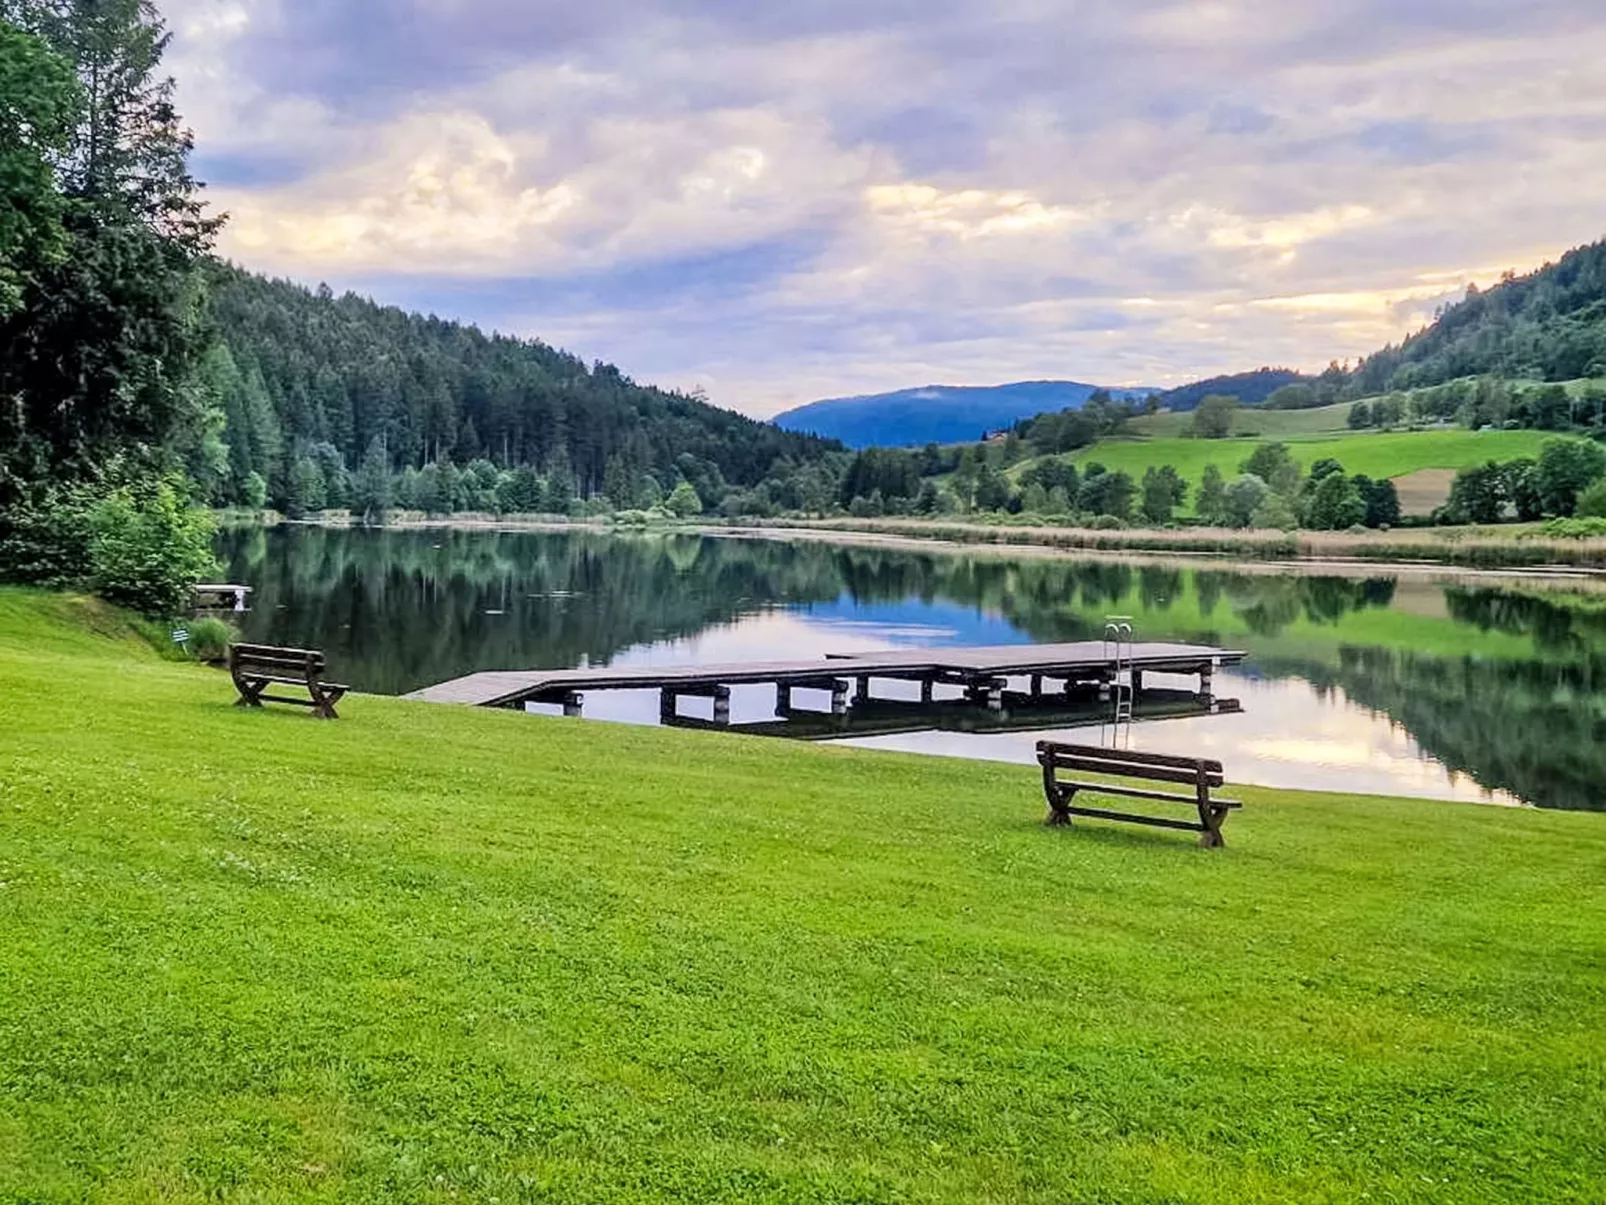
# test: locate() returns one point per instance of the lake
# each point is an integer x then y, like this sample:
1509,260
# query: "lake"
1464,688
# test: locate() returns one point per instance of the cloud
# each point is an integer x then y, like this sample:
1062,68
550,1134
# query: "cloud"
779,202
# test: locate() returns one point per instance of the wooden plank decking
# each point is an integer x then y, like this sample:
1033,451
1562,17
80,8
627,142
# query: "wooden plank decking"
1089,660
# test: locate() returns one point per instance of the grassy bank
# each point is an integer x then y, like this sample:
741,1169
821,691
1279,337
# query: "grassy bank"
432,955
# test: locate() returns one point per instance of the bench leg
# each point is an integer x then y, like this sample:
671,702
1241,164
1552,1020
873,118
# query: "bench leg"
1059,806
1211,818
250,692
326,700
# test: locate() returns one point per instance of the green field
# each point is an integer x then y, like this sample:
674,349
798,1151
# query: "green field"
1378,454
1250,423
433,955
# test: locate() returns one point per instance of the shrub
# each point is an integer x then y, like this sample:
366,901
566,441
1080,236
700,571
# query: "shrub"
1576,529
1274,511
1592,502
210,639
1109,523
45,538
149,548
684,502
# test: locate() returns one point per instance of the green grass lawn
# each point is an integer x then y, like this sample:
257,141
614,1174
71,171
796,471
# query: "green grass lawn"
425,954
1377,454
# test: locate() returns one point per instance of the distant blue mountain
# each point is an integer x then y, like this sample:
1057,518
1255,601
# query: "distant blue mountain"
942,414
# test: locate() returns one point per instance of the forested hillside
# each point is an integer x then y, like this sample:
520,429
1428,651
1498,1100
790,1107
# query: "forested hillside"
303,378
1250,388
1549,325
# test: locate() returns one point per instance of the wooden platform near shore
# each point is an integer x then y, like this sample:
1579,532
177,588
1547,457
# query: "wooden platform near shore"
983,672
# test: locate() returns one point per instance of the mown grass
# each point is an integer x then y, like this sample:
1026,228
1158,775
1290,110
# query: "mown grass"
434,955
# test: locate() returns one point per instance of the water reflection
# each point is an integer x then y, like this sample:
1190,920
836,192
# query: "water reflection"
1409,687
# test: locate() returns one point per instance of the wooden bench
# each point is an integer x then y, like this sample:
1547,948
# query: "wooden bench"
1202,775
255,667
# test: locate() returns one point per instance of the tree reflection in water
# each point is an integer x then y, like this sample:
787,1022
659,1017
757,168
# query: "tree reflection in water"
1504,685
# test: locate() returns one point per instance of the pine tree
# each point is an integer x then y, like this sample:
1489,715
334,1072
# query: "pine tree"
371,488
135,235
38,103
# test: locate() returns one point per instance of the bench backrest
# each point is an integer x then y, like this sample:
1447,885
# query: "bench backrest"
271,659
1127,763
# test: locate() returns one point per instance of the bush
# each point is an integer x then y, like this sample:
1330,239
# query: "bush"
1592,502
210,639
1109,523
1576,529
150,547
684,501
44,540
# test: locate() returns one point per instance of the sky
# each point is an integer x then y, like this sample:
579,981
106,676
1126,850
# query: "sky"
779,202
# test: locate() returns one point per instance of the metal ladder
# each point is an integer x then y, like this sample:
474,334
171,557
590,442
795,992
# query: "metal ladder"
1118,641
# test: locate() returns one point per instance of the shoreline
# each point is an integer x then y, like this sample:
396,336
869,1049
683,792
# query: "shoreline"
1014,543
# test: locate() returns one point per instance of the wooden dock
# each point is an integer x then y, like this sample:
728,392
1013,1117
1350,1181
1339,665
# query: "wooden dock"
984,673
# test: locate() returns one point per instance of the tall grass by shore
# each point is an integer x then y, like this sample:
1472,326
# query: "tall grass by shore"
1492,547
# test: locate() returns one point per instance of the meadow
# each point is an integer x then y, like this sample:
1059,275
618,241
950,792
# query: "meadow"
433,955
1388,454
1249,423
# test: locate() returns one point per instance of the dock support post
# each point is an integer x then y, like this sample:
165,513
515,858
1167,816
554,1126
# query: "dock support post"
573,704
864,689
927,686
1037,686
1137,682
995,695
783,698
668,705
839,697
1207,677
722,705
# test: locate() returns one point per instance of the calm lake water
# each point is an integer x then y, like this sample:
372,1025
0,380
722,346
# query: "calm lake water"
1472,689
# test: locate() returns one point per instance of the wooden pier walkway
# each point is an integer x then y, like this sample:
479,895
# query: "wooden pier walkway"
983,672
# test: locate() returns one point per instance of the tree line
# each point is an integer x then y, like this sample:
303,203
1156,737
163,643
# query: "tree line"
309,386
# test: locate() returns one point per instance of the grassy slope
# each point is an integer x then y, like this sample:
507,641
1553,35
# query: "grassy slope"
1271,424
1386,454
426,954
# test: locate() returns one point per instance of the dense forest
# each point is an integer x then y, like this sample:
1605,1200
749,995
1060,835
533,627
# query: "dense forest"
308,383
1549,325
